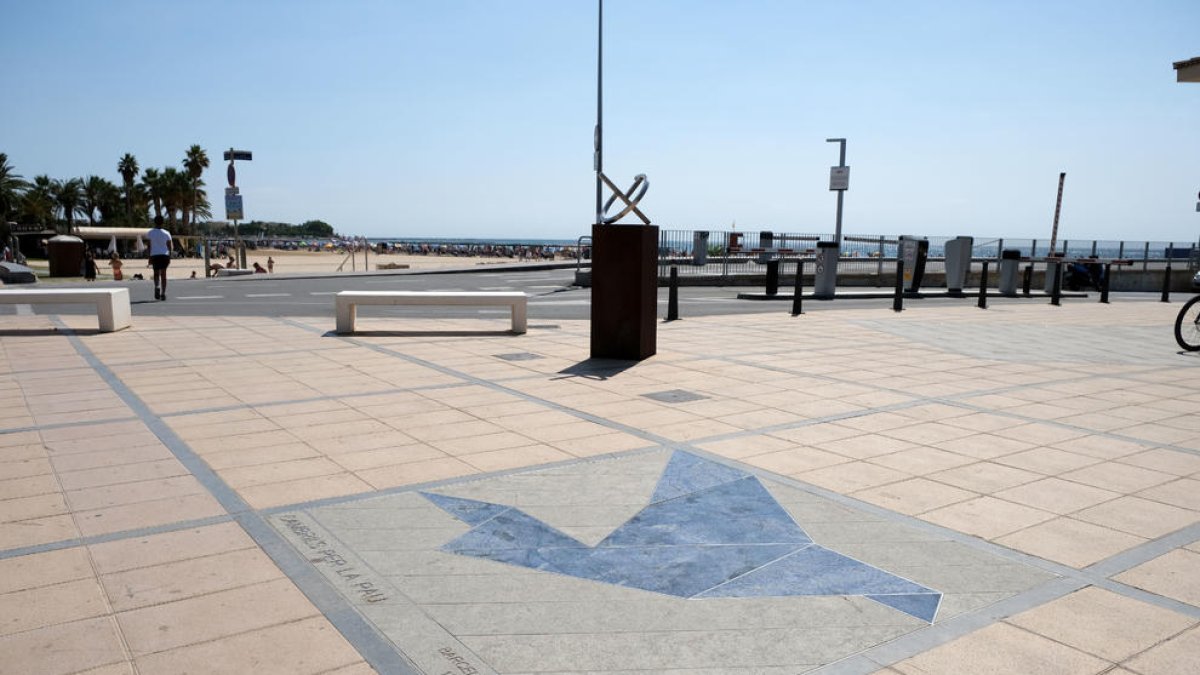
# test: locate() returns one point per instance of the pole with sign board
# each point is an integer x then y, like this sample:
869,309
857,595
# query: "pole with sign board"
233,198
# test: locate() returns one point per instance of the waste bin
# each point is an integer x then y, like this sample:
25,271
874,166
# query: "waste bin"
1010,266
1054,268
913,251
66,256
958,262
825,281
700,247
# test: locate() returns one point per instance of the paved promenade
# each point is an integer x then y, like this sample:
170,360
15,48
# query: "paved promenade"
944,490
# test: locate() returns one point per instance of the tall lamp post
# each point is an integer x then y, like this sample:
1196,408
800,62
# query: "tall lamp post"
839,180
828,252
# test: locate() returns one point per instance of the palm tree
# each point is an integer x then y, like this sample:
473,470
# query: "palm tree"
128,168
12,186
97,193
37,204
69,196
176,191
195,162
152,179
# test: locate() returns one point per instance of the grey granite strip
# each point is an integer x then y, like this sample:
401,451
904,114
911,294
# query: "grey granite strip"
377,650
64,425
113,536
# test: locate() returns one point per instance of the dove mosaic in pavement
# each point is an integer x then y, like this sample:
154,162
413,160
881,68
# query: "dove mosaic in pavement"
708,531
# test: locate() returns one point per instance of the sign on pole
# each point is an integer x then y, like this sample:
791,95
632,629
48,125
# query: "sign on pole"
839,178
243,155
233,207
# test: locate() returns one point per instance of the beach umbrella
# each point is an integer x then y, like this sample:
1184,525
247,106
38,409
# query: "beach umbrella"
112,244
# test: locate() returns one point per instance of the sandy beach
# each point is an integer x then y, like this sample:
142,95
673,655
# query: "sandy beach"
295,262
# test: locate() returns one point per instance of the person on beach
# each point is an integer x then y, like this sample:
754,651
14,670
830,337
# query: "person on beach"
258,269
270,265
89,266
160,256
115,263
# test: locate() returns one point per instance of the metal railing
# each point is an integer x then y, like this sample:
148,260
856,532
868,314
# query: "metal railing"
731,253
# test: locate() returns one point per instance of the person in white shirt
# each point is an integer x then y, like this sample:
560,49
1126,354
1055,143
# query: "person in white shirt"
160,256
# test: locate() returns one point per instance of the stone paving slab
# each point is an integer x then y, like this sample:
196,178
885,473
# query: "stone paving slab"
1034,467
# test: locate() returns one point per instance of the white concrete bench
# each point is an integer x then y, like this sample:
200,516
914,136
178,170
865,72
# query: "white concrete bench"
233,272
346,303
112,304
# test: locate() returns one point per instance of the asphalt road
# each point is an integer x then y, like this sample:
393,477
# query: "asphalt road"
552,296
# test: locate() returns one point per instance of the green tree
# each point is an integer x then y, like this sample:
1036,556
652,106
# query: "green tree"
194,162
98,195
155,188
12,187
68,195
316,228
128,168
37,203
176,194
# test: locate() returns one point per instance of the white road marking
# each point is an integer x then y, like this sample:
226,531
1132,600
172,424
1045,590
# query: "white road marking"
199,297
322,293
268,295
497,288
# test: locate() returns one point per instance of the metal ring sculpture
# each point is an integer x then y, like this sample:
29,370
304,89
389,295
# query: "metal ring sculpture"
631,200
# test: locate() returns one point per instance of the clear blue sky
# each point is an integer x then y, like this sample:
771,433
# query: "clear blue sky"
474,117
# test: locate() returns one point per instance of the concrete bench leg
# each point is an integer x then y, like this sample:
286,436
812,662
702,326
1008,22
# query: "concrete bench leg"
114,313
346,313
519,320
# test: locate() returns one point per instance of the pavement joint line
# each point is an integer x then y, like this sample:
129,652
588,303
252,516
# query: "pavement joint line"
1097,574
872,659
379,652
67,425
445,482
113,536
312,399
617,426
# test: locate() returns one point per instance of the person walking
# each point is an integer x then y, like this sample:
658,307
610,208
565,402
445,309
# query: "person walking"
270,264
160,256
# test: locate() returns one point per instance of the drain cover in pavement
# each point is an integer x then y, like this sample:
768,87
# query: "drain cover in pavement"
675,396
519,356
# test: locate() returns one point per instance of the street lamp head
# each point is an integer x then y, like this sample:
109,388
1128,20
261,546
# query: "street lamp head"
835,140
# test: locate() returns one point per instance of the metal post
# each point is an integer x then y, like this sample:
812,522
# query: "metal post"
1121,250
983,282
673,295
598,140
1056,287
1146,257
207,271
796,294
837,235
879,265
1033,249
898,300
1027,281
772,278
999,248
1104,286
1166,289
1062,177
366,250
1093,248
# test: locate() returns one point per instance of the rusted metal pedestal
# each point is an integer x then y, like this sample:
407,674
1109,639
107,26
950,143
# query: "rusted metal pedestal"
624,291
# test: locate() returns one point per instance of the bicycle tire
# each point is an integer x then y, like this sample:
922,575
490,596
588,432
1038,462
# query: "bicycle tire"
1187,325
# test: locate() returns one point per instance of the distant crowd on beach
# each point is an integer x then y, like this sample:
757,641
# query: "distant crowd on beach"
516,251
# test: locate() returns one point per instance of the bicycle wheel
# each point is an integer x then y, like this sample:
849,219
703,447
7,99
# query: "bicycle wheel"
1187,325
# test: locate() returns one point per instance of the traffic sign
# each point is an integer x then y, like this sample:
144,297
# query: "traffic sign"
233,207
839,178
243,155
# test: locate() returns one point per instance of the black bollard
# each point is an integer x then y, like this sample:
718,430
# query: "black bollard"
898,301
673,295
1166,294
772,278
1056,286
796,311
983,286
1104,284
1027,281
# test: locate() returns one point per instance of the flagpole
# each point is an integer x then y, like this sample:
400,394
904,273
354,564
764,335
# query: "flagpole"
598,140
